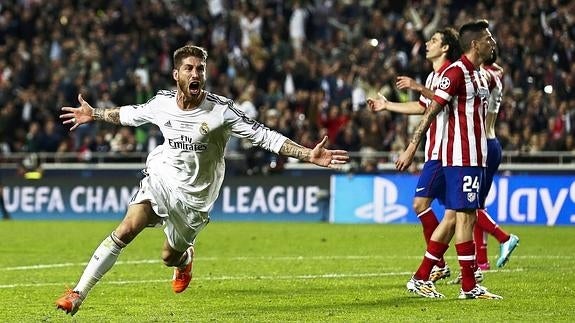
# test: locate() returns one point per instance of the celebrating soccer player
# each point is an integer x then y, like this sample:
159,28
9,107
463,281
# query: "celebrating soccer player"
185,173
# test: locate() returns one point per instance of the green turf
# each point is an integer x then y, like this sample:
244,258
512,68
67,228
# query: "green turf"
254,272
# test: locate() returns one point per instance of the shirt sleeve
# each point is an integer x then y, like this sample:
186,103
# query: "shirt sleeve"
423,101
244,127
138,114
496,93
448,86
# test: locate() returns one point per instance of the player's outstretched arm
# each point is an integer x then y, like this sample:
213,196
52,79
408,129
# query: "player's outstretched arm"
376,105
318,155
85,114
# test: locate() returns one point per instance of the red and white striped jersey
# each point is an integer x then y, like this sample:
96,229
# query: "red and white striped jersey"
494,78
463,91
435,132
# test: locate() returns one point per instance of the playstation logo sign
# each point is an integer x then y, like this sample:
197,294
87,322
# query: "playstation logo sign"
383,208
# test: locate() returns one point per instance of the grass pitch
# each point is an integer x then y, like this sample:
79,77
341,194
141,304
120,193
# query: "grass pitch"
250,272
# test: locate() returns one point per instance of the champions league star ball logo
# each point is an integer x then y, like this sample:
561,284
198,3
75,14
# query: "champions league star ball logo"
204,129
444,83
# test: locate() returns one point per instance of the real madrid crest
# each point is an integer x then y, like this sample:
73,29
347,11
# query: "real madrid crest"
204,128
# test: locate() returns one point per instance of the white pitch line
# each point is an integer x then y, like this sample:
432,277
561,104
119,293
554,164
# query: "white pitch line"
278,258
224,278
267,258
155,261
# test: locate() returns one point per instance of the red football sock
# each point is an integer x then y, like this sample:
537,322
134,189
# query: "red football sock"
429,222
434,252
485,222
480,245
466,257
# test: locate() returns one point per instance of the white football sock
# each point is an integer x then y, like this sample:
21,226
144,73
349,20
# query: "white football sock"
102,260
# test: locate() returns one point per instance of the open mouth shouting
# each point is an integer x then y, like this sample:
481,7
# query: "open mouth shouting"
194,87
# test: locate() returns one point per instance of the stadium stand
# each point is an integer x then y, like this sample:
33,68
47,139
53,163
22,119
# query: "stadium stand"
304,68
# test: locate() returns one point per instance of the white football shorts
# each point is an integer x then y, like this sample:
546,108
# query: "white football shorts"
182,223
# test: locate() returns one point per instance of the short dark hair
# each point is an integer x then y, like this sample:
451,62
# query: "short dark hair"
450,38
186,51
471,31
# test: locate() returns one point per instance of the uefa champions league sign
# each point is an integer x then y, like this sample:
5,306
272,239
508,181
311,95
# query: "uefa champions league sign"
516,199
106,195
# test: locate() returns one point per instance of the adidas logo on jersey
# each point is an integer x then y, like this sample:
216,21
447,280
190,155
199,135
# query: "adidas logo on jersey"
168,124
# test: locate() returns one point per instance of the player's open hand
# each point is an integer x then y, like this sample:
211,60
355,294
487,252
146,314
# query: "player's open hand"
379,104
404,82
77,116
327,157
405,159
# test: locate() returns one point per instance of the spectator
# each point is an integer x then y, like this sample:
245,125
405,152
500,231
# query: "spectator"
289,50
333,121
51,138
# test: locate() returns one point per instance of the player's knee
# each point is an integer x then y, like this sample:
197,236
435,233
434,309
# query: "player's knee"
468,221
419,206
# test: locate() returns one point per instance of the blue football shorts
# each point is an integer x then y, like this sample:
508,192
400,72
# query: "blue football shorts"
431,183
463,187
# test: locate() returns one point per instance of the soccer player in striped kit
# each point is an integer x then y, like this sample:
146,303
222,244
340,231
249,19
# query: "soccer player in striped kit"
485,224
185,173
442,49
463,93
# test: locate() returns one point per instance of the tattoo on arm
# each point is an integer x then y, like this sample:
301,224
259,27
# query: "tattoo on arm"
427,93
108,115
429,115
292,149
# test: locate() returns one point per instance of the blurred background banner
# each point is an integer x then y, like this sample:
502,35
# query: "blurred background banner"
517,199
303,196
105,194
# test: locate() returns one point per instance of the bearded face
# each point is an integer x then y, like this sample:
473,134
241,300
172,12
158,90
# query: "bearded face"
191,76
486,46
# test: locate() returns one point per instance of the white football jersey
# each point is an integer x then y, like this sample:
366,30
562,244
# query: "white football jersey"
190,162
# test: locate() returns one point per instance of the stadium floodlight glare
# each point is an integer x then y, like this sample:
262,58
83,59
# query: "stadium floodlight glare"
373,42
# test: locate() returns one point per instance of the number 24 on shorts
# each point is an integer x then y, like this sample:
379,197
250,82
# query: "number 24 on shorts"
470,184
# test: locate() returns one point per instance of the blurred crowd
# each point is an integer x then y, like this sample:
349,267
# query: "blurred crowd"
304,68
